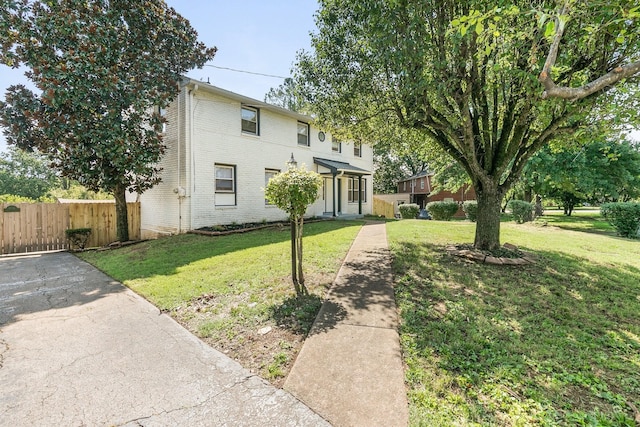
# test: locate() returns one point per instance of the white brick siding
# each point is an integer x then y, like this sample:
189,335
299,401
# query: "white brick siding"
210,125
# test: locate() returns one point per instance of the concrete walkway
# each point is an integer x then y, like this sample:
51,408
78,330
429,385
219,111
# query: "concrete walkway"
77,348
350,367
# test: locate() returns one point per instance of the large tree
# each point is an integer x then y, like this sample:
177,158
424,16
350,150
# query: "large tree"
104,69
483,80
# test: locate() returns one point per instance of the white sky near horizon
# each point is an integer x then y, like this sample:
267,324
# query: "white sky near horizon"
251,35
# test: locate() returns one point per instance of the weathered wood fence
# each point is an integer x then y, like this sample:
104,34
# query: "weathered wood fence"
383,207
34,227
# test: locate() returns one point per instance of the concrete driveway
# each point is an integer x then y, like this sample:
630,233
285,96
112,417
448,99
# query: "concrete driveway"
78,348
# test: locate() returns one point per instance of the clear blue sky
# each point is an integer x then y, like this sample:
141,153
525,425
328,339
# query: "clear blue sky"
252,35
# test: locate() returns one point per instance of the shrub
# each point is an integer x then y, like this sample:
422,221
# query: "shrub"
470,208
78,236
522,211
409,210
625,217
442,211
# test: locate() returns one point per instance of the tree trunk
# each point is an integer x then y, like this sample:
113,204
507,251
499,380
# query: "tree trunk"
539,209
303,288
294,250
122,219
488,222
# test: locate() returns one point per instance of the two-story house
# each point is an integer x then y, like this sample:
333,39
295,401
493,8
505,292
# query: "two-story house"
421,191
222,149
418,187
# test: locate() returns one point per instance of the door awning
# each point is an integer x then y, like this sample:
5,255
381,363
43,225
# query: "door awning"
340,167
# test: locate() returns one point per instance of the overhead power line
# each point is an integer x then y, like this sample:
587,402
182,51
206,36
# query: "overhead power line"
246,72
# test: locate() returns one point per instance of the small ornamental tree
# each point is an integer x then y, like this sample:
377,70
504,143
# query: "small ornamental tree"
293,191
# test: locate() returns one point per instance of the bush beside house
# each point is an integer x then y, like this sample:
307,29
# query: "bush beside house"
409,210
442,211
470,208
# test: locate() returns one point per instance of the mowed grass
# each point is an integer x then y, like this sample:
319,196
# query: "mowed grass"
554,343
174,270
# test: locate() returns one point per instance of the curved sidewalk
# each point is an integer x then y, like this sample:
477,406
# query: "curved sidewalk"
350,367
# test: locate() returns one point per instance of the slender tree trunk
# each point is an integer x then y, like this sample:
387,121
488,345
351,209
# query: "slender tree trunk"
303,288
488,223
122,219
294,250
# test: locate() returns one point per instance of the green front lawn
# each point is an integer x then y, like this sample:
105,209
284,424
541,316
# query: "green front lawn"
555,343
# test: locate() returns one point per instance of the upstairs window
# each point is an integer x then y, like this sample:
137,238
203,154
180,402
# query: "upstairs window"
250,120
336,146
303,134
357,149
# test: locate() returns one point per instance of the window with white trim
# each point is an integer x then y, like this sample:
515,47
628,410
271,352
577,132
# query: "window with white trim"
225,179
357,149
336,146
268,174
354,192
303,134
250,120
422,184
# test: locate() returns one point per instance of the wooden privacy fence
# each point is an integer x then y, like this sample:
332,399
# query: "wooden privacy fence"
382,207
33,227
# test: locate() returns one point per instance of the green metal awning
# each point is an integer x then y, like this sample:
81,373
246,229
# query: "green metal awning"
340,167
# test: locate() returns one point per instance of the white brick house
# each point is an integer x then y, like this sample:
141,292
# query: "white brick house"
222,148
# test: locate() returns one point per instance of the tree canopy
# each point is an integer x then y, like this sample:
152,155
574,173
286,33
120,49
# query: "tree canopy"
595,172
27,175
104,69
467,76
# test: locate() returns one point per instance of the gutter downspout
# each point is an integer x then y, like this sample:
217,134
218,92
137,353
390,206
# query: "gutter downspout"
179,176
190,170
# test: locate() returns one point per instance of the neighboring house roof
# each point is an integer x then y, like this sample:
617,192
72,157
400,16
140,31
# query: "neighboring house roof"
418,175
338,167
186,81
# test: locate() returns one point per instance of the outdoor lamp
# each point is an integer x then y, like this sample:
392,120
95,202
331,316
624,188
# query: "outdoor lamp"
292,162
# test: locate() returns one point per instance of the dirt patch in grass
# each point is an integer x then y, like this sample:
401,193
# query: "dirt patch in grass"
264,338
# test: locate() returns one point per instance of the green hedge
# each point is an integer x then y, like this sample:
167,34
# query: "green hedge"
409,210
470,208
522,211
625,217
442,211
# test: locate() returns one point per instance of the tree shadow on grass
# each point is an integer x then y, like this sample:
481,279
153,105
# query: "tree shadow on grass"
165,256
557,340
297,313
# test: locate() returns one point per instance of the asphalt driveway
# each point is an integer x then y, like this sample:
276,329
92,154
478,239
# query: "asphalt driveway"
78,348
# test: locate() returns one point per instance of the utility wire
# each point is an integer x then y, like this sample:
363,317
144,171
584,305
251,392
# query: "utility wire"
246,72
